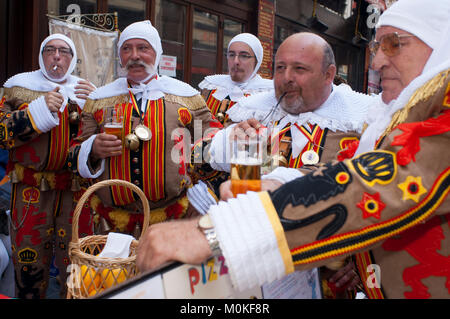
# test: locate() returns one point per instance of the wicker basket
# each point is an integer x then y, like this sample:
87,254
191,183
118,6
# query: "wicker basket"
90,274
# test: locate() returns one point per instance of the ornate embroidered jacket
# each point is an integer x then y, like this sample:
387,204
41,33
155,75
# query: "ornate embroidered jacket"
390,206
161,166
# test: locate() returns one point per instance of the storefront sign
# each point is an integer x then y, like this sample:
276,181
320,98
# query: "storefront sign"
266,23
168,65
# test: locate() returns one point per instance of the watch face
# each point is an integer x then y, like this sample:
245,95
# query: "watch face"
205,222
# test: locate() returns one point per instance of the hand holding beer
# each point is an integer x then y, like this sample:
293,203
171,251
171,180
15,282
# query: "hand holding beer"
109,143
113,121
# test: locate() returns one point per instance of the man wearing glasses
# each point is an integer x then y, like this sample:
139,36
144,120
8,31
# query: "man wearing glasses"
39,118
389,204
221,91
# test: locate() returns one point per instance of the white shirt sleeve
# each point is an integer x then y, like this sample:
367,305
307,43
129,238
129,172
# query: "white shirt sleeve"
283,174
219,150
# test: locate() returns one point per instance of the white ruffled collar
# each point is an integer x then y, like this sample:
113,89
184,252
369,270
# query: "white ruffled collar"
224,86
331,115
153,90
344,110
36,81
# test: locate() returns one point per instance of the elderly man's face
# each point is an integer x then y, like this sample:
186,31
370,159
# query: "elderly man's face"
57,56
397,71
138,58
299,74
241,61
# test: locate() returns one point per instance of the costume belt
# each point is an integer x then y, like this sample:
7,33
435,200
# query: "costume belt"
46,180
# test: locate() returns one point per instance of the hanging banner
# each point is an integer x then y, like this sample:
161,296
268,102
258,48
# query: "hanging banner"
96,51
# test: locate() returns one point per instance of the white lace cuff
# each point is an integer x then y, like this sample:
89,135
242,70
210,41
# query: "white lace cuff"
252,240
42,119
83,157
200,197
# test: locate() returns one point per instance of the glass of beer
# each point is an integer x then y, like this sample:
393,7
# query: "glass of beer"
113,121
246,160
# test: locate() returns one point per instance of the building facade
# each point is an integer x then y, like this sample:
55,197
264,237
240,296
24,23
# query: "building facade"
197,32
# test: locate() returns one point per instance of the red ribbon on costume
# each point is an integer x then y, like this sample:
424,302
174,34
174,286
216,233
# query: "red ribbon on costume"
413,131
349,151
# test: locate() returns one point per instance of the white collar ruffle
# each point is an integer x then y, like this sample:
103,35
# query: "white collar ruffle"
36,81
153,90
345,110
224,86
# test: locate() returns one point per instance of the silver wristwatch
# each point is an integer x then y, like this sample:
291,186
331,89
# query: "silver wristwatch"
207,227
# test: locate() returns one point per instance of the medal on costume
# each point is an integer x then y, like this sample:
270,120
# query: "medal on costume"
310,157
140,133
143,132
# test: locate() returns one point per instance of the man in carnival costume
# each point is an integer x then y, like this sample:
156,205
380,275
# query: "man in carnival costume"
311,120
159,114
244,58
389,203
40,114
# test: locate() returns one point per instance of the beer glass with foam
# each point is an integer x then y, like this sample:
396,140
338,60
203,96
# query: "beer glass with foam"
113,121
246,160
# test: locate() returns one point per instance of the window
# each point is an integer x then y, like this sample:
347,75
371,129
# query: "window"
67,7
204,45
171,24
128,11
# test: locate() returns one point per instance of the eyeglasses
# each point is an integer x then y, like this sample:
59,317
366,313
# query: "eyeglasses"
51,50
389,43
241,57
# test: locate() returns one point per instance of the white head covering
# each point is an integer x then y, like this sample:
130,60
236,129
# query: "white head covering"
39,80
428,20
254,43
157,87
223,84
143,30
72,63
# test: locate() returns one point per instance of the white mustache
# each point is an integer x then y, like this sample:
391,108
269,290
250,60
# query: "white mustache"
149,68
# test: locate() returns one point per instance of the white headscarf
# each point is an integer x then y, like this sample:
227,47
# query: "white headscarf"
223,84
39,80
156,88
429,21
143,30
73,62
254,43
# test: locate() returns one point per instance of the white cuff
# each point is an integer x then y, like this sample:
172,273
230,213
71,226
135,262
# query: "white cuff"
200,197
252,240
283,174
220,149
83,157
41,116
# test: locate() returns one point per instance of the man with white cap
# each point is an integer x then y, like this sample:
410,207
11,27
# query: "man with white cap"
244,58
159,114
39,119
388,204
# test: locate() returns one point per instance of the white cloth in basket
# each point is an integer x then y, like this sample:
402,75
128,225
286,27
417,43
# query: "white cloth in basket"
117,246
